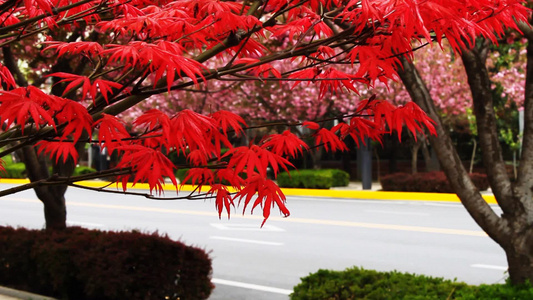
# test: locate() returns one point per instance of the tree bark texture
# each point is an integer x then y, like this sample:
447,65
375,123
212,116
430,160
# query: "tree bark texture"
52,197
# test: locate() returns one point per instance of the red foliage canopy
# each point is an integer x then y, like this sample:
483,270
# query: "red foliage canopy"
117,53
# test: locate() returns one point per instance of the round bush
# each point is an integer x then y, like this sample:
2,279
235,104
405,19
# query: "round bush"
86,264
428,182
358,283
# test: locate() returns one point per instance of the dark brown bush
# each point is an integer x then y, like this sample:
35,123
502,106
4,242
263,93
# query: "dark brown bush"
429,182
86,264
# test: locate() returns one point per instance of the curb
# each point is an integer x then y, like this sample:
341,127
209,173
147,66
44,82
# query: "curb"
16,294
332,193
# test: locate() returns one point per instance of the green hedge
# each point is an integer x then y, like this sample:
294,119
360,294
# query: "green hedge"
429,182
18,170
358,283
81,264
314,179
82,170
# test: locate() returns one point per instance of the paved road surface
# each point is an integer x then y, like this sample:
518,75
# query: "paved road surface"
432,238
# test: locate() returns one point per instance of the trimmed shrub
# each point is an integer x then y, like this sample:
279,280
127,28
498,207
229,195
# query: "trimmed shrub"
82,170
83,264
430,182
314,179
498,292
358,283
16,170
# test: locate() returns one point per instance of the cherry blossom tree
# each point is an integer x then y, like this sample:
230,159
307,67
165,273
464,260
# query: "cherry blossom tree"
445,76
69,69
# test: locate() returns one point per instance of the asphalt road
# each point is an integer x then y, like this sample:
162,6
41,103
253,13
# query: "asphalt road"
249,262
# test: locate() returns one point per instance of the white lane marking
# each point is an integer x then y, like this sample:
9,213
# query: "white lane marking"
478,233
396,212
245,241
492,267
246,227
251,286
84,224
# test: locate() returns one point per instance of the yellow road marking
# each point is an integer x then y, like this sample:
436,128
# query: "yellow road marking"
344,194
423,229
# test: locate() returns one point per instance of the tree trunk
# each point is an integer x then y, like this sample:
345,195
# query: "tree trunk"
52,196
414,156
429,166
513,230
520,266
55,211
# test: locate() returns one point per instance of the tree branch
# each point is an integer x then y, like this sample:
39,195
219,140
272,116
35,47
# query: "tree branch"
480,86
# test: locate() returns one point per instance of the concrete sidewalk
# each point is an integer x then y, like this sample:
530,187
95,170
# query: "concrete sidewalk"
12,294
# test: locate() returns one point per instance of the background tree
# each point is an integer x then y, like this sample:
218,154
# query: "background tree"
511,230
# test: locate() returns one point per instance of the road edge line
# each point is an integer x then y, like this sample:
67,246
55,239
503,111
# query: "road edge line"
341,194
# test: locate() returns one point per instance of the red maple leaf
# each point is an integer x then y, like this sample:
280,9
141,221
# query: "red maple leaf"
286,143
19,105
255,159
268,195
413,117
308,74
199,177
76,120
105,86
197,158
6,77
111,132
189,130
74,48
225,119
223,198
230,177
148,165
155,122
58,149
311,125
330,140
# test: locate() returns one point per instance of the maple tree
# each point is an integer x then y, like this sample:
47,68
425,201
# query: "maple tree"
70,69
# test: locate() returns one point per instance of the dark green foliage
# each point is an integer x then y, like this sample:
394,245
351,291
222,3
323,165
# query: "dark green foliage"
14,170
82,170
18,170
86,264
498,292
314,179
430,182
358,283
181,173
